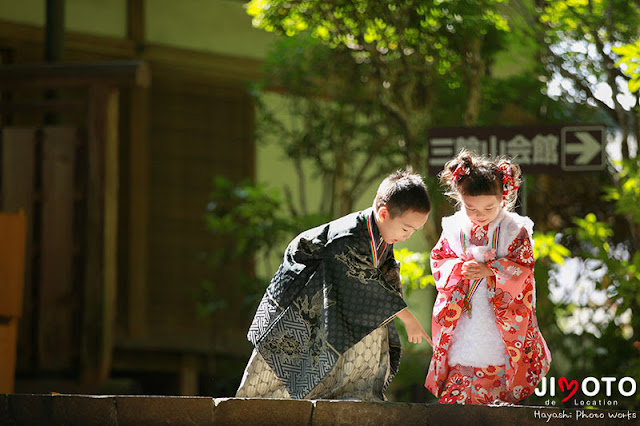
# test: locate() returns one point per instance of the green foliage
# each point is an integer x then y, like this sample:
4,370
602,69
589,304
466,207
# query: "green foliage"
430,34
415,269
595,233
247,215
545,245
627,198
580,42
421,25
620,259
327,126
248,220
406,57
630,63
578,19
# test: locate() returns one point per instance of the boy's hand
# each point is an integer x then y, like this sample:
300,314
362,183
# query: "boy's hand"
415,332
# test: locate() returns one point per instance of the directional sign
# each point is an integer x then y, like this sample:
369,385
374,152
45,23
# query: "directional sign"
537,149
583,148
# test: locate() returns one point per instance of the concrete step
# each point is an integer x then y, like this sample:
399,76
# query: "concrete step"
46,409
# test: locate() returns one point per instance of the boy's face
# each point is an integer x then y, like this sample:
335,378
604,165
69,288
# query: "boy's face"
399,228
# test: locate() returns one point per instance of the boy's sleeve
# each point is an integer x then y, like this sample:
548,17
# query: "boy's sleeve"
391,272
359,296
511,272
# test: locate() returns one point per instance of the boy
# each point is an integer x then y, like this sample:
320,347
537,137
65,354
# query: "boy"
324,328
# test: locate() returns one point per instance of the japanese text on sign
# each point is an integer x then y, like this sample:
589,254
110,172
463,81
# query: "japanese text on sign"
537,149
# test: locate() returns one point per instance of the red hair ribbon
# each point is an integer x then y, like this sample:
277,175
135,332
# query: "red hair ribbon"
508,181
458,173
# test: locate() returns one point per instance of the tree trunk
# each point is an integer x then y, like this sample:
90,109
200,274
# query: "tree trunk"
474,80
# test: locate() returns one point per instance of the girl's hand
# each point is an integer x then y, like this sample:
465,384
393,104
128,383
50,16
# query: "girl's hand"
473,270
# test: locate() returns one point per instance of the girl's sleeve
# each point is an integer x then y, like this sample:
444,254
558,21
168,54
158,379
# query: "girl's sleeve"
445,266
512,271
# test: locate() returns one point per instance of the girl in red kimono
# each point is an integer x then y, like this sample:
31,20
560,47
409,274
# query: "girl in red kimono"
487,344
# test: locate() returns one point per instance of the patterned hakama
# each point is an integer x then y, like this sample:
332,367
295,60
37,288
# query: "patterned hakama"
360,373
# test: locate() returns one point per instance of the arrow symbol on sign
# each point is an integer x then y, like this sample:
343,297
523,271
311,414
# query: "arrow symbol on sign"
588,149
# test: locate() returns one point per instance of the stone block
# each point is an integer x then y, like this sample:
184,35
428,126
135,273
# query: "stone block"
19,409
250,411
164,410
472,415
24,410
368,413
83,410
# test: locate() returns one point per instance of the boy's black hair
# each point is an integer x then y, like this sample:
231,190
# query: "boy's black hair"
402,191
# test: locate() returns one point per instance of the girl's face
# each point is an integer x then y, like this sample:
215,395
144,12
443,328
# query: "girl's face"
481,209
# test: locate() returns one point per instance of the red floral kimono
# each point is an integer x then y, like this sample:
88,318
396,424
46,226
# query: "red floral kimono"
511,295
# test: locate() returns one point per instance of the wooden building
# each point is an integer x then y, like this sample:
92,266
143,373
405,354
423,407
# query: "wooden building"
112,152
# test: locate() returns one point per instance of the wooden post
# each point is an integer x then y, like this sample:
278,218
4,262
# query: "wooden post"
189,368
12,252
18,173
136,23
102,211
138,185
56,306
54,31
138,213
53,47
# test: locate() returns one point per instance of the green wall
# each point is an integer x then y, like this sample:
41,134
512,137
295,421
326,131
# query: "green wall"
100,17
216,26
219,26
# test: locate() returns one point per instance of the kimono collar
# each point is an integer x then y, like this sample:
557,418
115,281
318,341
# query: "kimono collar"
467,225
376,243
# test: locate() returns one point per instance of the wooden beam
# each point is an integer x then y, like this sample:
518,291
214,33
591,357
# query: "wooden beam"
37,105
204,67
25,36
117,73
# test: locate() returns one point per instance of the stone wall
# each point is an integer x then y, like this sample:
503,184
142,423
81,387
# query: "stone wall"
22,409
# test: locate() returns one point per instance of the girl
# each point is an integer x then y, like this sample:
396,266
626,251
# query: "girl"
488,347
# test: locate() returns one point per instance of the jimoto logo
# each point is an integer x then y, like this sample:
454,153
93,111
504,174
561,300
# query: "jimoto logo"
609,387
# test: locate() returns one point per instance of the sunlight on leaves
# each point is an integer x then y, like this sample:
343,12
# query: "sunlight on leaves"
415,270
545,245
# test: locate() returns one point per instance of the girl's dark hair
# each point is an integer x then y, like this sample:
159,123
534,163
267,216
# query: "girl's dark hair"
471,174
402,191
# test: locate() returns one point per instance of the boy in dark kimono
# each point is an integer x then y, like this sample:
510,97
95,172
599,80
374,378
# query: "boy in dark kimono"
324,328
